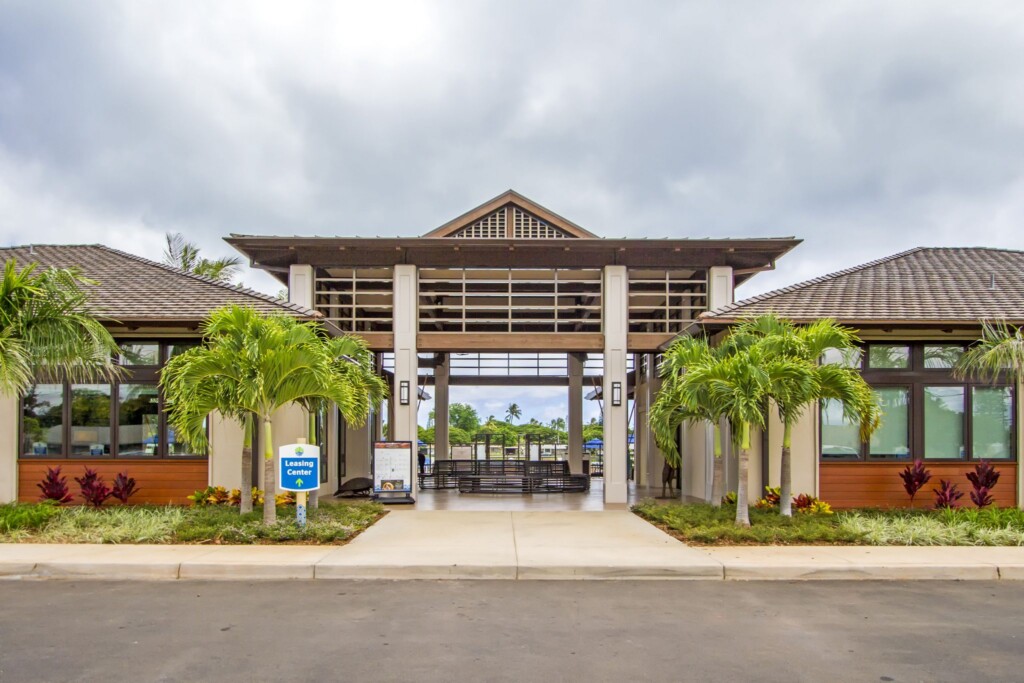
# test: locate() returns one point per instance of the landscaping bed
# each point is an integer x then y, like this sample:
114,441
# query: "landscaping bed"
330,524
702,524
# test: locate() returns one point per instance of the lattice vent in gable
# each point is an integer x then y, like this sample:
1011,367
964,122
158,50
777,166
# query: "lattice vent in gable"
526,226
491,226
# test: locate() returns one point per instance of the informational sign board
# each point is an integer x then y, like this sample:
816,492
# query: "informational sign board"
394,466
299,468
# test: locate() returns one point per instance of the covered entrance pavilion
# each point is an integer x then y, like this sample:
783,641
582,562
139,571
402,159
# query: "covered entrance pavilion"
511,277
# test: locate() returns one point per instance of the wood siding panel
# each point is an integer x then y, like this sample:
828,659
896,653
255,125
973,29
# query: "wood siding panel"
159,482
878,485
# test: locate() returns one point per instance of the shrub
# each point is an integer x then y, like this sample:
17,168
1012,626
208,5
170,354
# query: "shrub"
93,489
211,495
124,487
947,494
914,477
983,479
729,498
807,504
770,499
19,516
55,487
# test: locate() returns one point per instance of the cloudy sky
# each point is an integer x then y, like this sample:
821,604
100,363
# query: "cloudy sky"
862,127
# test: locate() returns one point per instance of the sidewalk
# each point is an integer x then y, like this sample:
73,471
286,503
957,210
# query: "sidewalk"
507,545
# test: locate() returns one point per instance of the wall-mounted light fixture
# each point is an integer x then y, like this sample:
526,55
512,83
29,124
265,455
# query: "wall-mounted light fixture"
616,393
403,392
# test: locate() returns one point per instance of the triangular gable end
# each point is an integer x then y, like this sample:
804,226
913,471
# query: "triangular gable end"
510,216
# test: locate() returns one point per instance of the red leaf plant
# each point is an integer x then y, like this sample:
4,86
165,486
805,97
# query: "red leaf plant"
124,487
914,477
93,489
947,494
54,486
983,479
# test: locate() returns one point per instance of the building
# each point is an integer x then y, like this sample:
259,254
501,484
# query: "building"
512,293
154,312
915,312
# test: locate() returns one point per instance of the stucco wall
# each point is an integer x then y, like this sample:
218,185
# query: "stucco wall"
8,449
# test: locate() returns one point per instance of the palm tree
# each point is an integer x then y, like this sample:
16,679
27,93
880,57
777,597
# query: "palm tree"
680,401
798,380
184,255
252,365
46,330
999,352
513,412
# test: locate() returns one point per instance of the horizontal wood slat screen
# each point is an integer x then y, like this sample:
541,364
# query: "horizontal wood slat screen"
158,482
848,485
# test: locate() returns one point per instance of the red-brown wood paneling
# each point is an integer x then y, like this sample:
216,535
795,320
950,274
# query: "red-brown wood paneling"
160,482
878,485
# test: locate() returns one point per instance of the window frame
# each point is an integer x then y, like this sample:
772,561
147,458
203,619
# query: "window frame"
916,377
133,374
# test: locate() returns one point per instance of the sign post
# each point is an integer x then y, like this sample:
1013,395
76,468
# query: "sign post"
299,471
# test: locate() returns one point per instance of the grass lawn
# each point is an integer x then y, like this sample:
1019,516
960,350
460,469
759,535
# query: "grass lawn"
331,524
700,524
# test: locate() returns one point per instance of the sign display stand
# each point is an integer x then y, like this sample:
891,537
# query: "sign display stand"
394,467
299,471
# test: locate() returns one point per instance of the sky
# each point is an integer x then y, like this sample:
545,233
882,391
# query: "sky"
862,127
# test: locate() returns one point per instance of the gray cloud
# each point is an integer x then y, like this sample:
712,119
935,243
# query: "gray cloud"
863,127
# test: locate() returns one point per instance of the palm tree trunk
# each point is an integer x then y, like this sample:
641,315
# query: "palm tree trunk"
246,498
786,476
269,478
742,505
718,470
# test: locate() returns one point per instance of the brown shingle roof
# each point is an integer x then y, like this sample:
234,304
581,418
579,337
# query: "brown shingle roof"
132,288
923,285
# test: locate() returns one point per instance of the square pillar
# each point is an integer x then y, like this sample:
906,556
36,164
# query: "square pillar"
615,323
403,425
575,424
441,372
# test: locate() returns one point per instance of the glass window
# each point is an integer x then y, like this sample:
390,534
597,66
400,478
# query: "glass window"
181,448
42,420
944,422
892,439
179,347
140,353
991,423
846,358
889,356
940,356
90,419
138,420
840,438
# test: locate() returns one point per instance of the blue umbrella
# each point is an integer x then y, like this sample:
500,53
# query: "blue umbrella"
594,443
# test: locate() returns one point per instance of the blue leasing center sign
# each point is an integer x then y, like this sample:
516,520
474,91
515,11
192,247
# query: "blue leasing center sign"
299,468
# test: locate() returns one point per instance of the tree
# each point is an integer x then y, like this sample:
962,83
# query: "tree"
998,354
792,354
47,332
464,417
513,412
679,401
252,365
184,255
593,430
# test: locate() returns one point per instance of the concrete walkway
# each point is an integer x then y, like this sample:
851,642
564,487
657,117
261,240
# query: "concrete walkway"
508,545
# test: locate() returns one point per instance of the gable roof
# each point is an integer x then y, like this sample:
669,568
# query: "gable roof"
133,289
919,286
510,215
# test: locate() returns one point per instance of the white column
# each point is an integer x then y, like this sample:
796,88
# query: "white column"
441,371
9,408
403,426
615,323
300,285
720,287
575,424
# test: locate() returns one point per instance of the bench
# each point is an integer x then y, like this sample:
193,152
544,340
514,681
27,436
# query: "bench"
504,476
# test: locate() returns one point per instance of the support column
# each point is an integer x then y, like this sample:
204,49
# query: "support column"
10,406
575,424
302,291
615,322
403,426
721,292
442,451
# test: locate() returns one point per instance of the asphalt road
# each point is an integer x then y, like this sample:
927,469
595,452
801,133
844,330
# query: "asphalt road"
511,631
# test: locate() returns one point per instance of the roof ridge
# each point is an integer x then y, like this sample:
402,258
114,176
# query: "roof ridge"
807,283
207,280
